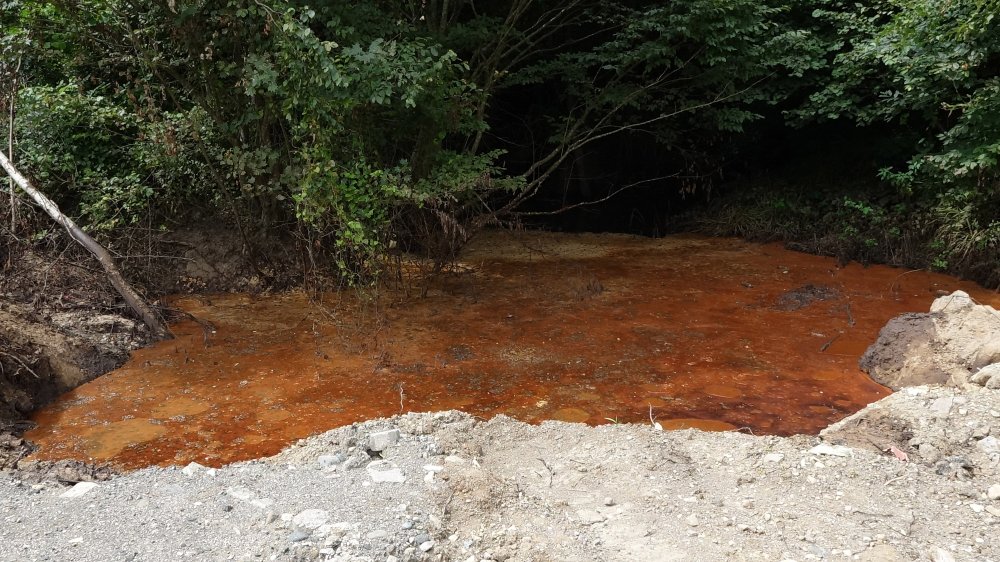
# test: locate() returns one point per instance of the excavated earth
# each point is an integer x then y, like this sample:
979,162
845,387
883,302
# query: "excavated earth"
446,486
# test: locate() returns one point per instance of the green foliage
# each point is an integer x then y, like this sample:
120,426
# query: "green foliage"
346,123
240,107
923,64
81,149
927,66
689,73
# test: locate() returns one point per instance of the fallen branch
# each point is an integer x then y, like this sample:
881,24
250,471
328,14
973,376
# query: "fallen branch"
23,364
132,298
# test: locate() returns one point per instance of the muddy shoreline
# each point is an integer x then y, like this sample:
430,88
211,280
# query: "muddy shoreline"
506,323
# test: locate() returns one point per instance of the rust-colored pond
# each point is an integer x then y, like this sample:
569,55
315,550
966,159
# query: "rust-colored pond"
699,332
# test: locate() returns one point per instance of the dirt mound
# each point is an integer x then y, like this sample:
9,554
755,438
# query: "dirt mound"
948,429
61,325
948,345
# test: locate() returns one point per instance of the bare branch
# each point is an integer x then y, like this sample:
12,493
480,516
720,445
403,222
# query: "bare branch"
156,326
595,201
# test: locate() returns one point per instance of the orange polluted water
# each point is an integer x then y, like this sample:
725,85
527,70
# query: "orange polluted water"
697,332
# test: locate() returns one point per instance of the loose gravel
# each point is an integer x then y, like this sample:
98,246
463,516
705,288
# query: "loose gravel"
445,486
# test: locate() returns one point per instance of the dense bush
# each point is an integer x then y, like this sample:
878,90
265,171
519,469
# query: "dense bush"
356,127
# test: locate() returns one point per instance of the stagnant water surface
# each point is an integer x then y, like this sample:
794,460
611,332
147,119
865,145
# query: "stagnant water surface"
703,332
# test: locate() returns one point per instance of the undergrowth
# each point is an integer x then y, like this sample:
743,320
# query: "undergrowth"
952,234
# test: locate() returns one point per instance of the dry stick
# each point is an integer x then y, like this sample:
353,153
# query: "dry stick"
135,302
23,364
892,288
827,345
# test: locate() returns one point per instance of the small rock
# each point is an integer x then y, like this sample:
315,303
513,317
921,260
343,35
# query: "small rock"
942,406
977,508
773,457
407,525
882,553
331,461
832,450
994,511
609,501
191,469
383,471
382,440
79,489
941,555
421,539
426,546
692,520
298,536
988,375
989,445
589,516
433,467
993,492
310,519
377,534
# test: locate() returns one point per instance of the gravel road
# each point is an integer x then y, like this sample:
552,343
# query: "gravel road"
445,486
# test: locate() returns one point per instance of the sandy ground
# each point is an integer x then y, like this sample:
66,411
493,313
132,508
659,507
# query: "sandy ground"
446,486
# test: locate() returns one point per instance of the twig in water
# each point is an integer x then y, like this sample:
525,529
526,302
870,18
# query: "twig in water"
892,288
827,345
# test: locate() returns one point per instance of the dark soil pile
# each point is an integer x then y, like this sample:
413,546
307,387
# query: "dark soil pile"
60,326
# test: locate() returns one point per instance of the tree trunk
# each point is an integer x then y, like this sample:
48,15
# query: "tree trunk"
156,326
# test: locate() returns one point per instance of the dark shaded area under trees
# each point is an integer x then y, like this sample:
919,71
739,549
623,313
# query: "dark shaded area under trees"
330,134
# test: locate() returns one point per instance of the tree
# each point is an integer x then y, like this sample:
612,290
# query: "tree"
930,69
138,305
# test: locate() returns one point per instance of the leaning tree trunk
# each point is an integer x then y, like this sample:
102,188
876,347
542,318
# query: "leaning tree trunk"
156,326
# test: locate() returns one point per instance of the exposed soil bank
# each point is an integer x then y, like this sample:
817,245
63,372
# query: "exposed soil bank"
59,328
